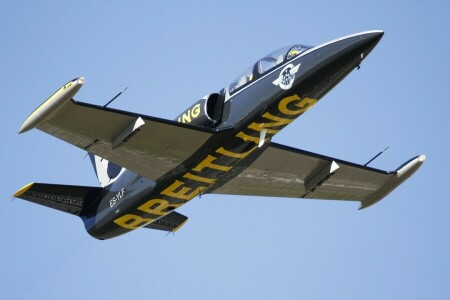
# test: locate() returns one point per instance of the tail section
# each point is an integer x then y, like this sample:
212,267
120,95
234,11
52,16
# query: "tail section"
71,199
107,172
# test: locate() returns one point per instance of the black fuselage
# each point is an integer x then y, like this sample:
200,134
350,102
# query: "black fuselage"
251,116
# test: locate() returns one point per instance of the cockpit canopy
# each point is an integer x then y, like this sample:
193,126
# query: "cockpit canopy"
266,64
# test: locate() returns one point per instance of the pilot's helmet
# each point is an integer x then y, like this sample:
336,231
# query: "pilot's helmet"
296,50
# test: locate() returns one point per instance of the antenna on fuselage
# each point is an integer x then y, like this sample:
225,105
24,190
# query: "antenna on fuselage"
115,97
373,158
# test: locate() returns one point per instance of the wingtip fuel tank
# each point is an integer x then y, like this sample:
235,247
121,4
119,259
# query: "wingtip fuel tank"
52,104
399,176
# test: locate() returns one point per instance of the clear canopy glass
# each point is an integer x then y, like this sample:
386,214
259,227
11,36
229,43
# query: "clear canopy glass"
242,79
272,60
265,64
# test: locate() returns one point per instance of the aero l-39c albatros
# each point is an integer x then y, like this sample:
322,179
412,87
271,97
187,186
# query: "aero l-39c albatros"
148,167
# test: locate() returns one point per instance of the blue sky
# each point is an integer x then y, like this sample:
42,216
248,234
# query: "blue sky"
169,55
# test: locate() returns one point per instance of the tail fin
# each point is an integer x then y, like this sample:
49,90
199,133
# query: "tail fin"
107,172
71,199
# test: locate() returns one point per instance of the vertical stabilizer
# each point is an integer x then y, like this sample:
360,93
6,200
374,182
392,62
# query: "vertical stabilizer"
107,172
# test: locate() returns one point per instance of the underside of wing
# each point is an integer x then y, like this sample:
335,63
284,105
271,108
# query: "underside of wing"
282,171
146,145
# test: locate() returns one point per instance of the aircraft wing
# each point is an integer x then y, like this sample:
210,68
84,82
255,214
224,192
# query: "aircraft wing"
146,145
282,171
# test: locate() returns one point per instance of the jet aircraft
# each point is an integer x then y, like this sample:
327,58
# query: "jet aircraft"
147,167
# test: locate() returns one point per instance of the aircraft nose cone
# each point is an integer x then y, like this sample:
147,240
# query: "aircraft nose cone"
367,41
361,43
344,54
327,64
374,35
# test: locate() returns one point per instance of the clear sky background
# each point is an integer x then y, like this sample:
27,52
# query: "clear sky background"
170,54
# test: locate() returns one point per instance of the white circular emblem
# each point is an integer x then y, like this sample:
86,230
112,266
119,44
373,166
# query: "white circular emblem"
287,75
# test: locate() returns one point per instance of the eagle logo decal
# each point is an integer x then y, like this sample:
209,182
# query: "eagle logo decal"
286,77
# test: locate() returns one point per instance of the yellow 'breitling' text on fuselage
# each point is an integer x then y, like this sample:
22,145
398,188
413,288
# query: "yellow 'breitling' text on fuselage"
178,192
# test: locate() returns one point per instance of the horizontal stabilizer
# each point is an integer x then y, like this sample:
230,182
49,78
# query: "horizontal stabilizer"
67,198
170,222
